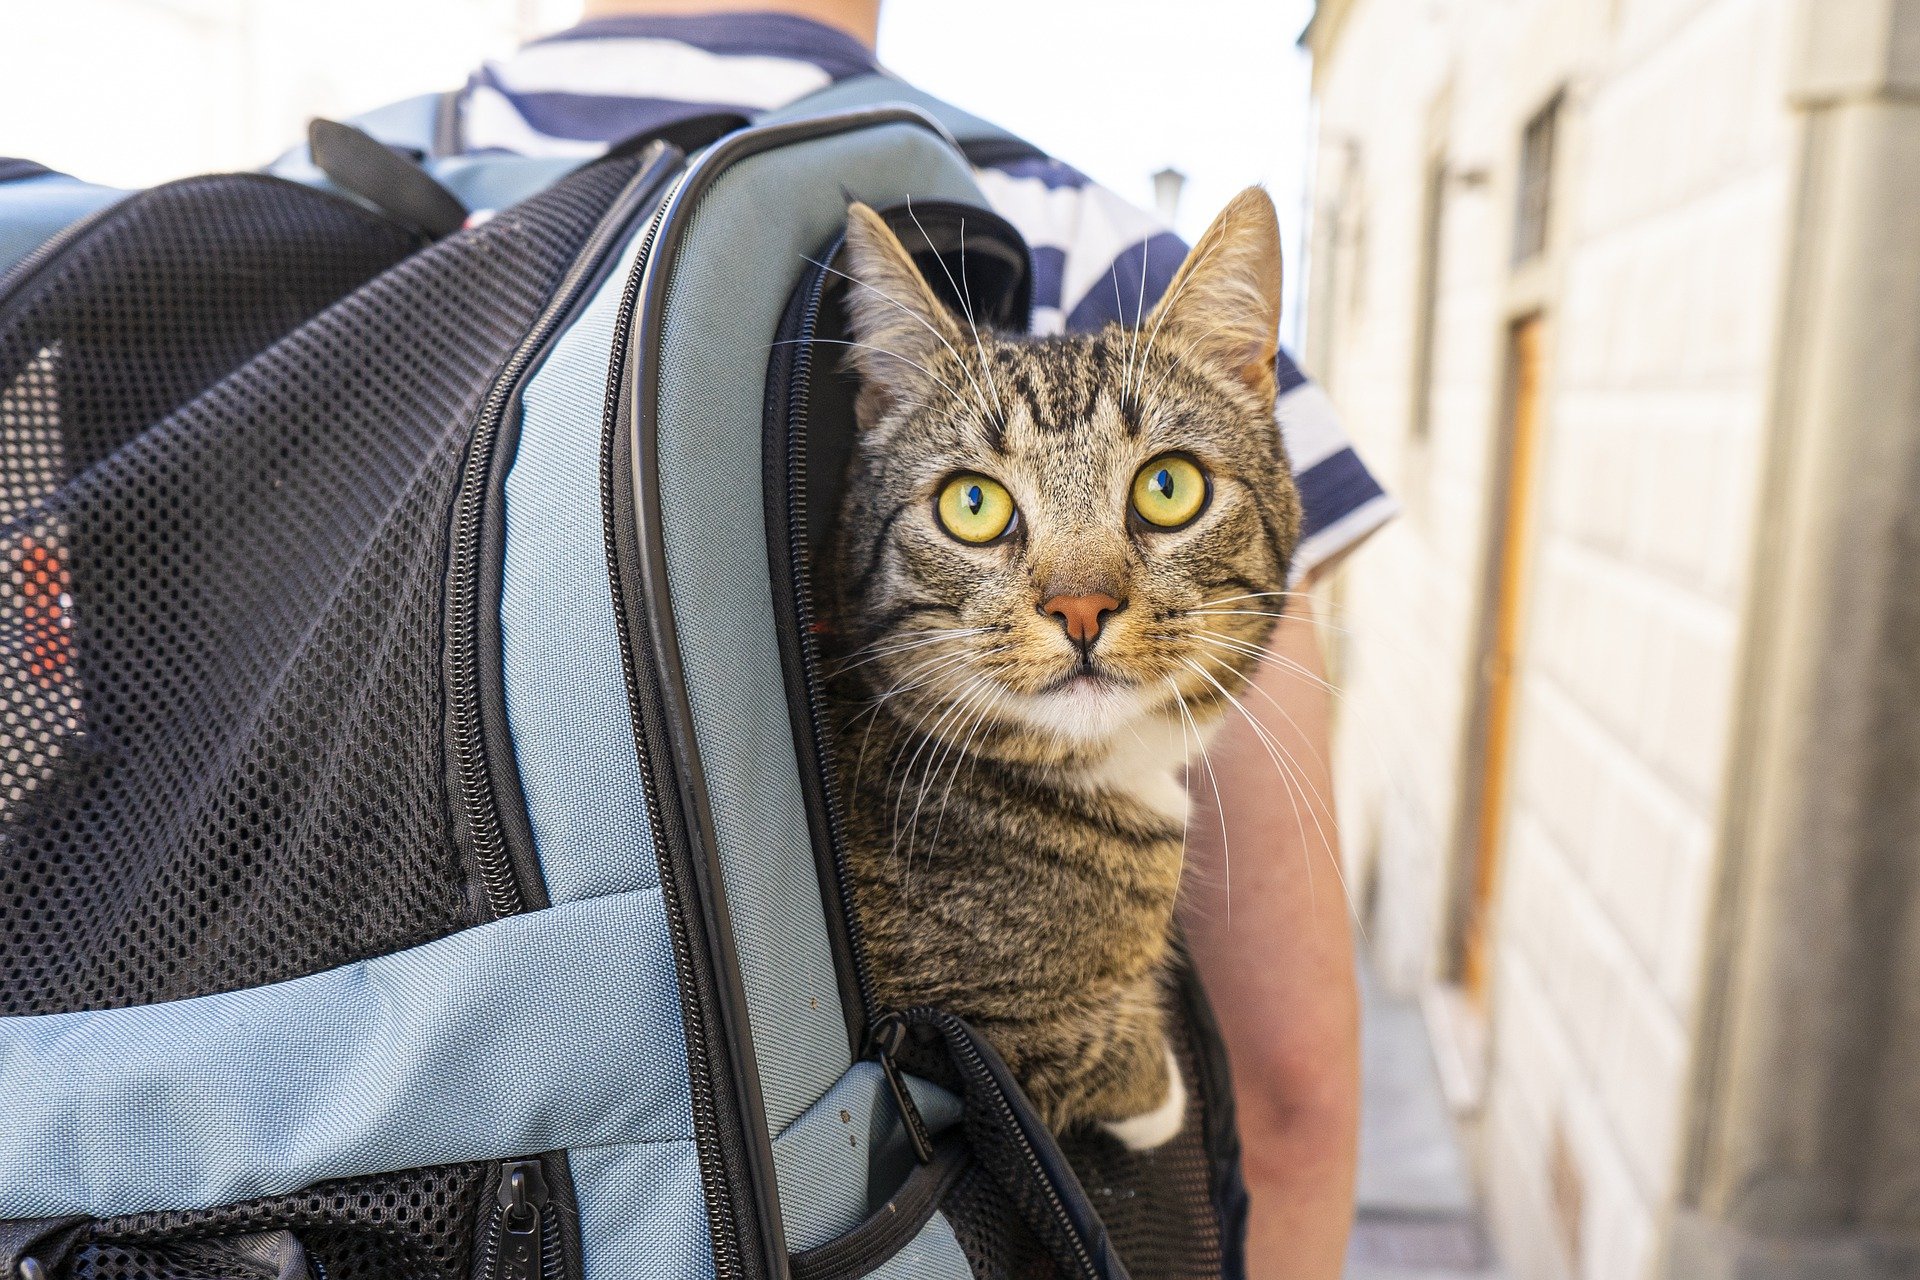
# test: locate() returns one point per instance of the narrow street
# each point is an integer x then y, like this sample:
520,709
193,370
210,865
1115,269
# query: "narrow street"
1417,1219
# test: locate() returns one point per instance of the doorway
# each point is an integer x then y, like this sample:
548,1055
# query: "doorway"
1490,757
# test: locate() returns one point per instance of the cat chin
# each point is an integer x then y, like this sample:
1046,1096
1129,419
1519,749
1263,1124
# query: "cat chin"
1085,711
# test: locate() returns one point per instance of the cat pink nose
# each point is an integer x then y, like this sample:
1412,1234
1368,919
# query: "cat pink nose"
1081,616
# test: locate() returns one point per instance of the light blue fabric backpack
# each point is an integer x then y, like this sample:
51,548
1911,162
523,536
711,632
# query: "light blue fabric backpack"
418,859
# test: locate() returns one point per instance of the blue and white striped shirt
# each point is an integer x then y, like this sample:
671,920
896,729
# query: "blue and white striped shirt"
574,93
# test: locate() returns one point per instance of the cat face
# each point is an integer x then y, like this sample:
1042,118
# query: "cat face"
1046,543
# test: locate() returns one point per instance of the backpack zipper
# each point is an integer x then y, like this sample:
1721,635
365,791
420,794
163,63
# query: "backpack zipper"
523,1237
796,366
965,1050
40,254
736,1158
716,1151
507,874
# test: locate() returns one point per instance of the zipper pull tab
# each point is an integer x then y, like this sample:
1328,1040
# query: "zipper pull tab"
883,1045
523,1203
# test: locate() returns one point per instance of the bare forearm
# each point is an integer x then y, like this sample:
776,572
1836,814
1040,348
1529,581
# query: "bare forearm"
1266,916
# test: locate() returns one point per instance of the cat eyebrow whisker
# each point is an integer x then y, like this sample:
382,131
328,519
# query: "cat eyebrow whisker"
911,313
1175,368
1139,309
868,346
966,302
1166,304
966,299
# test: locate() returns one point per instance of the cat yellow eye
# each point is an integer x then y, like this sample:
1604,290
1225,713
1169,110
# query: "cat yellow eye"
974,509
1169,491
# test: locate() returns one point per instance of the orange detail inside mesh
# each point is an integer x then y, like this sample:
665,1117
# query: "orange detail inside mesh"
43,587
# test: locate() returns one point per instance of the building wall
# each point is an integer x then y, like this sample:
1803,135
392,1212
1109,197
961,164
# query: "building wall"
1662,294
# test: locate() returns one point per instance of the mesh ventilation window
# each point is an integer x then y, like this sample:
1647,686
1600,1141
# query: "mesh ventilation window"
232,415
997,1244
1159,1206
417,1225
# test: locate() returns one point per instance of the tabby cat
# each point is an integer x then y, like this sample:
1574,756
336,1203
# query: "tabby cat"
1042,543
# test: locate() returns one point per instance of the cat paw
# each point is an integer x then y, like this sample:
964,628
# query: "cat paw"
1157,1127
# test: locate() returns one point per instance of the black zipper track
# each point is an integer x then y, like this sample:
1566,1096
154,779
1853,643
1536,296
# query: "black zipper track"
559,1229
491,812
716,1130
791,367
37,257
786,489
750,1243
1085,1234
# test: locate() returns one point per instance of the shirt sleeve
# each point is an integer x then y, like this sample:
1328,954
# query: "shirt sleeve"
1098,259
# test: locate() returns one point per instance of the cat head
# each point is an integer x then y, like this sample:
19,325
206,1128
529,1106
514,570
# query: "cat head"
1048,543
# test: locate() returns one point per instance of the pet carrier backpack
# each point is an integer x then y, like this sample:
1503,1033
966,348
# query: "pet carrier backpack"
417,849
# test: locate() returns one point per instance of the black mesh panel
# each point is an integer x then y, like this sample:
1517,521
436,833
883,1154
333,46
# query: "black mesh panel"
990,1232
221,758
1158,1206
406,1226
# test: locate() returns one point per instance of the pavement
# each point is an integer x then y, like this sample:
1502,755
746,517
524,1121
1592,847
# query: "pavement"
1417,1218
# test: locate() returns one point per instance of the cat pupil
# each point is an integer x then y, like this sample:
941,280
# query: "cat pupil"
974,498
1163,481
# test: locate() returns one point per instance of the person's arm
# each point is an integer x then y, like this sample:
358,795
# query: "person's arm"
1266,919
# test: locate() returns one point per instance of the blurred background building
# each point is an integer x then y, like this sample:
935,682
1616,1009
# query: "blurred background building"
1623,299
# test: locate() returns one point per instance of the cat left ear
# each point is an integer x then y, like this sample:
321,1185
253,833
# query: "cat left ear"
901,327
1224,303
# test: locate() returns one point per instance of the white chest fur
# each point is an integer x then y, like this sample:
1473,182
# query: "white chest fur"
1146,766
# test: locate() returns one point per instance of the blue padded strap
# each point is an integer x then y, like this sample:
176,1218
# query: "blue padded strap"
560,1028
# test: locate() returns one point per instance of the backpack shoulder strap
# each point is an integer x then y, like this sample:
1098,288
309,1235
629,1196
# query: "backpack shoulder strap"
982,141
417,125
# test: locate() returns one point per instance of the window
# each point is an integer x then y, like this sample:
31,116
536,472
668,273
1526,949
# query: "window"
1531,223
1432,215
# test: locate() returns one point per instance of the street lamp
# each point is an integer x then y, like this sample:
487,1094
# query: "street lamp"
1168,183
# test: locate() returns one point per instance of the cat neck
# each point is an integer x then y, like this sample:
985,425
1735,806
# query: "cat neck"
1145,761
1145,765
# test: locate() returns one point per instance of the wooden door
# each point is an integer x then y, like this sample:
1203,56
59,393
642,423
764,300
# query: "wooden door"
1526,345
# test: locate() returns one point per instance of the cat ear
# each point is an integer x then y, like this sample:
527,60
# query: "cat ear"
1224,303
900,326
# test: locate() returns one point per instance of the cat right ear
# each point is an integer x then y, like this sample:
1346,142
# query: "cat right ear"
901,329
1225,300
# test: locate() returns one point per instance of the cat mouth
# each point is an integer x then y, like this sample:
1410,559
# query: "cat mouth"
1084,677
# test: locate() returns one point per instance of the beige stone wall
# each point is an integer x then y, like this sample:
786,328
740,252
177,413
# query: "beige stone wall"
1662,294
